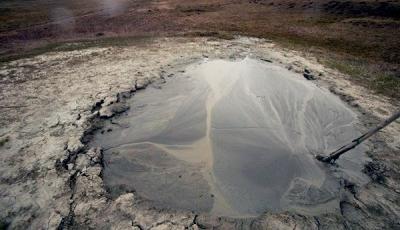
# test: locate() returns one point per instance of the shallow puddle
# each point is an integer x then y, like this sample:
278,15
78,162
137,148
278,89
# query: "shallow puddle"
233,138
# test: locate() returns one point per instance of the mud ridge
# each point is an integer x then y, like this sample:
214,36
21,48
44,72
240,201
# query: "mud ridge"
101,110
373,169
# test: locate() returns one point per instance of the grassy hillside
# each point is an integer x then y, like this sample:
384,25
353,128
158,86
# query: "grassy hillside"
360,38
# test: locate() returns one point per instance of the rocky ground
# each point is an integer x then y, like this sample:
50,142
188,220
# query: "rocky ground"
50,104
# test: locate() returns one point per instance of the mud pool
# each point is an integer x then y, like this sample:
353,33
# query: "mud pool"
232,138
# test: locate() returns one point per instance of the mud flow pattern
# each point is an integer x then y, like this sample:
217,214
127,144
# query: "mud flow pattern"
232,138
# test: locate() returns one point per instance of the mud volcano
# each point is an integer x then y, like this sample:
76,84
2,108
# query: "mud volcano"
232,138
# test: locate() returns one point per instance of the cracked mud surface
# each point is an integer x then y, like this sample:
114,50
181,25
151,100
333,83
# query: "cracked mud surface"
50,105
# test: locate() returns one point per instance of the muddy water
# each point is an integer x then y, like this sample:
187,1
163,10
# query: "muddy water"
233,138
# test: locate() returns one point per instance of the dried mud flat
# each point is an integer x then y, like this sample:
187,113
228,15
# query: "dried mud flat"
51,104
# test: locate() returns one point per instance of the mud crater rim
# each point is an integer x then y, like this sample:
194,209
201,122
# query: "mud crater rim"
206,128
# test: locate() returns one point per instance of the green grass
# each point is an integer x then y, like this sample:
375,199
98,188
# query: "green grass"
76,45
356,60
387,84
372,76
338,46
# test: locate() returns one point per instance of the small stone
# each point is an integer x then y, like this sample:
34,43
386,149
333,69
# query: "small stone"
95,155
54,121
308,76
110,100
125,202
82,161
125,95
74,145
54,221
110,111
70,166
142,83
266,60
71,172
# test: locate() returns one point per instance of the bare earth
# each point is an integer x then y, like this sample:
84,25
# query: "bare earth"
50,104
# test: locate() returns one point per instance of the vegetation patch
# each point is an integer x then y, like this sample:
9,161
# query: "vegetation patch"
198,8
358,61
370,75
77,45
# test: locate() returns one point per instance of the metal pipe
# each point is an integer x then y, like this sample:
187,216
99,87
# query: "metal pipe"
337,153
